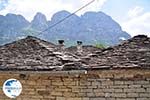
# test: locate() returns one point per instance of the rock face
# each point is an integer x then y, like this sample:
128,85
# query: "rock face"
34,54
102,28
11,26
91,28
39,22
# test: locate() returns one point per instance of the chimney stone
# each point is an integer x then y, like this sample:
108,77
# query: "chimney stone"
79,47
61,42
61,45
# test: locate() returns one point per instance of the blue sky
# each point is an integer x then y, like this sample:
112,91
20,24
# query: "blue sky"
132,15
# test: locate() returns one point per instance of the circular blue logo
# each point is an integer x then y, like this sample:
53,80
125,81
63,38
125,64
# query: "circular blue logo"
12,88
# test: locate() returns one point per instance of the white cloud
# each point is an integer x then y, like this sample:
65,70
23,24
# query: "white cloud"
28,8
136,11
3,3
139,23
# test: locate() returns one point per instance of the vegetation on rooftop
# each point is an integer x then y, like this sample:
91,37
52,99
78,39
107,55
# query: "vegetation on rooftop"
100,45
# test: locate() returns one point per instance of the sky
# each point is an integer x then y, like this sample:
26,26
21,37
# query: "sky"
132,15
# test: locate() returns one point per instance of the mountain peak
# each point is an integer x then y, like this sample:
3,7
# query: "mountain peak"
39,14
39,22
10,14
39,17
15,21
60,15
63,12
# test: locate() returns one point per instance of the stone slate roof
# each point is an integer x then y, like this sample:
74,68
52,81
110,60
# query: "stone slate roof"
34,54
133,53
87,49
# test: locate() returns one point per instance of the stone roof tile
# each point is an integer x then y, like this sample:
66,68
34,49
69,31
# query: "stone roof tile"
134,52
34,54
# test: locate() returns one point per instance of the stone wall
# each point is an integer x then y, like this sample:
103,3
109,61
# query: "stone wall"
117,84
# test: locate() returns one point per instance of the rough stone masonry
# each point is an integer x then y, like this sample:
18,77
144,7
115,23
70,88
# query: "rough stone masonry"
117,84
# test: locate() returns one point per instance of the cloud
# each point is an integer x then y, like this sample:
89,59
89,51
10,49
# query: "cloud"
3,4
136,11
138,22
28,8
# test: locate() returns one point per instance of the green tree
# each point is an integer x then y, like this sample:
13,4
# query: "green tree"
100,45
